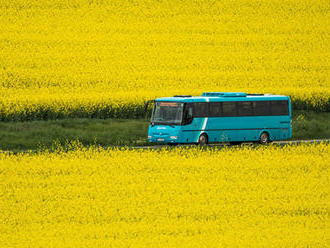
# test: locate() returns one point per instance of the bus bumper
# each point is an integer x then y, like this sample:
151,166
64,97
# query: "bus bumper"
163,139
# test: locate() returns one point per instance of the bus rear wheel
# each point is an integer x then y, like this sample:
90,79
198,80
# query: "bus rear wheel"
202,140
264,138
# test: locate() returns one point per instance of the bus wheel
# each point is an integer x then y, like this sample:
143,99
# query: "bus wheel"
202,140
264,138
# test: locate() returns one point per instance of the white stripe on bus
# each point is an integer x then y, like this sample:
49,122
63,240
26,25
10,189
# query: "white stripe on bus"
204,123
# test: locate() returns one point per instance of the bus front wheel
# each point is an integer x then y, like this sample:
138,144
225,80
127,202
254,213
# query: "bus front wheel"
264,138
202,140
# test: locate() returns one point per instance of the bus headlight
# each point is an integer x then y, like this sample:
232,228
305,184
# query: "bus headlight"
173,137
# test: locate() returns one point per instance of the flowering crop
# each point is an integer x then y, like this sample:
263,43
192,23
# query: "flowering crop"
234,197
106,58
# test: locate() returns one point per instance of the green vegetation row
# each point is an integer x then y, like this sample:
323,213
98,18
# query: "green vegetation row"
20,136
130,111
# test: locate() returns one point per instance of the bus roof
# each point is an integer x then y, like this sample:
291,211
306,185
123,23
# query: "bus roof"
223,97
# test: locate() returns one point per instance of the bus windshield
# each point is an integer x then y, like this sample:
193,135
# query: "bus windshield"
167,113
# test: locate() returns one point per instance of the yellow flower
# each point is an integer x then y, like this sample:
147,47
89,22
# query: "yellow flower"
268,196
91,57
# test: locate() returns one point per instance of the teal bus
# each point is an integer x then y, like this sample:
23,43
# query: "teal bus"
220,117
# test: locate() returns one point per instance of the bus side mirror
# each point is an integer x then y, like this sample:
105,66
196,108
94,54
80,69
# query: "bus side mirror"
146,107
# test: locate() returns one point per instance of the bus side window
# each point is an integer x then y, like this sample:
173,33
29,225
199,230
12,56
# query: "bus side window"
200,109
229,109
245,108
261,108
215,109
279,107
190,111
188,114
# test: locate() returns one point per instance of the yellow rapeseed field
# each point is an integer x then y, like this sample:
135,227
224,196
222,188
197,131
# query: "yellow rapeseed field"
67,56
267,196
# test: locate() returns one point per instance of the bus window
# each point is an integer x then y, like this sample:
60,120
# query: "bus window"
279,108
229,109
245,108
188,114
167,113
261,108
215,109
200,109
